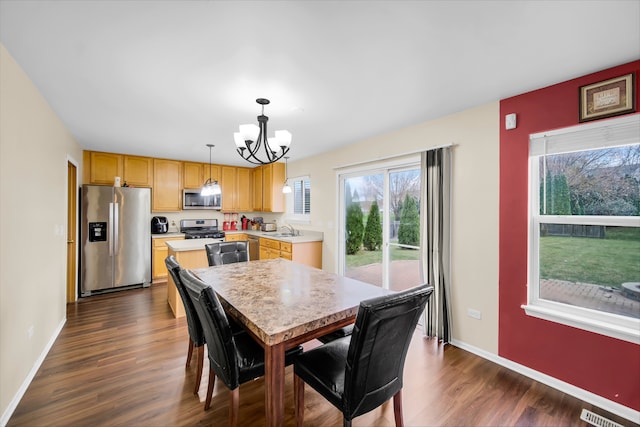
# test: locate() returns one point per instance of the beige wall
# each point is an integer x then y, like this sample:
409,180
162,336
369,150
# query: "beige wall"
34,148
475,135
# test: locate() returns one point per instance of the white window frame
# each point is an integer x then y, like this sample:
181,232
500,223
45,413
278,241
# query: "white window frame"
383,167
291,216
606,133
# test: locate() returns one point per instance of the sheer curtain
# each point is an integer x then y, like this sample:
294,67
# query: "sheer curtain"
435,218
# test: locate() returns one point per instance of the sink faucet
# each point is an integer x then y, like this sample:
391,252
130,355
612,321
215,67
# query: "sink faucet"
291,230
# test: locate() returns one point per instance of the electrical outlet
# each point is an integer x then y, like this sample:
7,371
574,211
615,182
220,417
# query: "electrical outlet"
30,332
474,313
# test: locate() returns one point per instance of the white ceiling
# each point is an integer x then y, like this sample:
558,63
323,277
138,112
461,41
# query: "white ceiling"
165,78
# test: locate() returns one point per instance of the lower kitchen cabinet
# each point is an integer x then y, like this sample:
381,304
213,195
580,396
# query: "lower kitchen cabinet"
160,251
235,237
308,253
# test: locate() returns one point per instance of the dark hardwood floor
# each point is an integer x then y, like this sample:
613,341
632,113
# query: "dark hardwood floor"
119,361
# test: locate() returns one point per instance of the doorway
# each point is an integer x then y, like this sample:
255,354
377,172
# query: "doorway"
72,229
389,255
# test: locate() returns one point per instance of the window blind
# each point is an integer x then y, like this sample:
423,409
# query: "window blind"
616,132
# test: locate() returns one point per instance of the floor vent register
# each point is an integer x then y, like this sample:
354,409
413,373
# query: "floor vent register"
597,420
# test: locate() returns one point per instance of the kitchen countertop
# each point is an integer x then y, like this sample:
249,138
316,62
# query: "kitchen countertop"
306,235
189,244
194,244
164,235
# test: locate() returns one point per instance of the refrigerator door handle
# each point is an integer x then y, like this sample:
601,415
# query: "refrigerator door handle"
110,229
116,226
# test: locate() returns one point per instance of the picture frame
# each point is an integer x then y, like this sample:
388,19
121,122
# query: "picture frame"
607,98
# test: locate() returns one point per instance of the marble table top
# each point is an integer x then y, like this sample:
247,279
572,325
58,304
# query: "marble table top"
279,299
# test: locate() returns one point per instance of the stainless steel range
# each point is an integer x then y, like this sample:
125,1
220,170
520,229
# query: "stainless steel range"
201,229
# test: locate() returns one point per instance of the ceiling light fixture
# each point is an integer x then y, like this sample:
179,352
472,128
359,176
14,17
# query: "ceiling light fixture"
210,187
286,189
251,138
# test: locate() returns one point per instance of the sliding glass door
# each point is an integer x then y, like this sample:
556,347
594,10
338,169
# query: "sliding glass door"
380,223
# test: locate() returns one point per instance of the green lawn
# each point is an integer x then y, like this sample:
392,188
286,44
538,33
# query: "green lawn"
371,257
608,262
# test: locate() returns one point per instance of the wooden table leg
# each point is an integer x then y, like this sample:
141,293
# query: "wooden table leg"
274,384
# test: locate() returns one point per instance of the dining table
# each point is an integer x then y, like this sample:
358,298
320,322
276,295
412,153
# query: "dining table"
283,304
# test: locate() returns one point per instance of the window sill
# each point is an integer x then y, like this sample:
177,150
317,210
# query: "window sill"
599,327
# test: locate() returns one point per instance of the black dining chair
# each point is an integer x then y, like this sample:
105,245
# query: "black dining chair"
194,328
357,374
196,335
227,252
235,359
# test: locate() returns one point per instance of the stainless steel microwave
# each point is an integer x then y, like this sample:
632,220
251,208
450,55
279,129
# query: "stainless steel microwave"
192,199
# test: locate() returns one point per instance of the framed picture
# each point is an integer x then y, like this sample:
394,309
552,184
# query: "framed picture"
607,98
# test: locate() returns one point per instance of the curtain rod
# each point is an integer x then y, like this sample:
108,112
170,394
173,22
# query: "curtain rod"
396,156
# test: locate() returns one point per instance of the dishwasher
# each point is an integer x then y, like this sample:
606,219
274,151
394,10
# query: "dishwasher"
254,248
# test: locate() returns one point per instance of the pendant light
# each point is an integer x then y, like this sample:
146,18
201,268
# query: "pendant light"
286,189
210,187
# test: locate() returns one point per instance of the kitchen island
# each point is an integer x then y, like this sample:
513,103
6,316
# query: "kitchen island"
190,254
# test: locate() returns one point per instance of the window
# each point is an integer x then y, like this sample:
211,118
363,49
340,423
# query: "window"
584,235
299,200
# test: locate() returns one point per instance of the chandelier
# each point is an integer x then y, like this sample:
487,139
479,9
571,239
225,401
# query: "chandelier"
251,138
210,187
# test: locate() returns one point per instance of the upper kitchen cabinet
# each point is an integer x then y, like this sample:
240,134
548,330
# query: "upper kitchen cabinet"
236,185
167,185
192,175
138,171
195,174
103,167
257,189
268,182
243,189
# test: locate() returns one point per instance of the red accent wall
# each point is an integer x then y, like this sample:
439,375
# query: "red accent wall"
604,366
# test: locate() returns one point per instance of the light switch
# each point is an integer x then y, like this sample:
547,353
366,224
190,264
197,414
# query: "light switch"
510,121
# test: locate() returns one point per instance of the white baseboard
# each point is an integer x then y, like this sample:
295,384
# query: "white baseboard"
25,384
579,393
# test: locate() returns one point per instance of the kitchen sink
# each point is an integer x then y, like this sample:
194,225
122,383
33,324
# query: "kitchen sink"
285,235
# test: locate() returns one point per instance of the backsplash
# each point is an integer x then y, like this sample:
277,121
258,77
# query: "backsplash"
175,217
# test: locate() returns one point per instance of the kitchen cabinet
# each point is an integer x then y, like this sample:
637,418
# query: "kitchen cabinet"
257,189
194,174
236,185
159,252
104,167
235,237
268,181
308,253
243,189
138,171
167,185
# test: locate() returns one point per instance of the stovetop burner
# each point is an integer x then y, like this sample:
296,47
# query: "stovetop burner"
204,234
200,229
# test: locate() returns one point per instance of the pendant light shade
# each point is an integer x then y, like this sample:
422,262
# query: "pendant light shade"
210,187
286,189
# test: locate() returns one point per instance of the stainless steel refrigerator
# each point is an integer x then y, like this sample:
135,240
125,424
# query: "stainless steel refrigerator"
116,238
